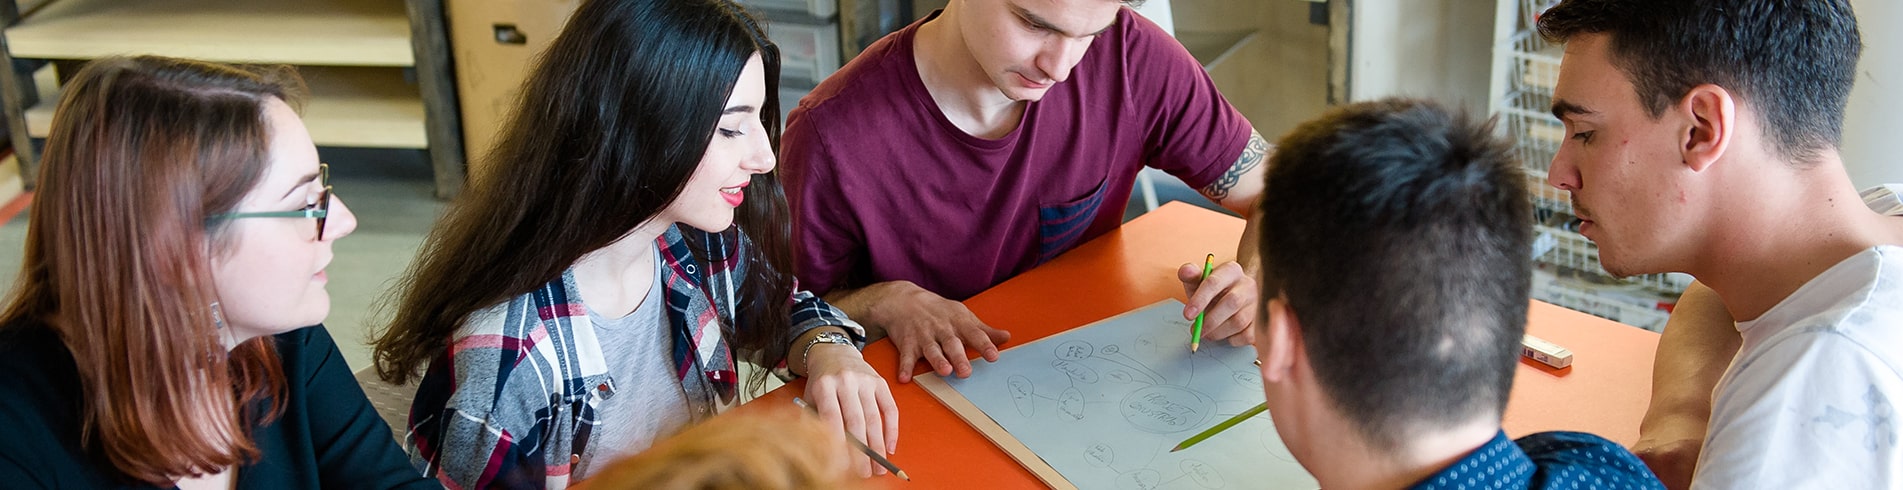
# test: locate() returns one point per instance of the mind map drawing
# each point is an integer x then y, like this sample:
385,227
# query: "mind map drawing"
1104,403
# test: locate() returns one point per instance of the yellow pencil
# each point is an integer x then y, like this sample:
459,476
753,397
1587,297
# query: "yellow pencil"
1225,425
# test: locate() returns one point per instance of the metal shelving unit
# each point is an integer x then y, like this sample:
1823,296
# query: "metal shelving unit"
808,33
1525,68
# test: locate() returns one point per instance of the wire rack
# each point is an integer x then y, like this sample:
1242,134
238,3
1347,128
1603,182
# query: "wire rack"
1627,304
1525,70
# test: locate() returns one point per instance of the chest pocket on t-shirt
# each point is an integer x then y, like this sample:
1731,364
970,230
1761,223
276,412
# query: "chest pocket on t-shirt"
1060,225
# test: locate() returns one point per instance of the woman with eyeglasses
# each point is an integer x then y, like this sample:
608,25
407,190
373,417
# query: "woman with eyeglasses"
160,333
626,244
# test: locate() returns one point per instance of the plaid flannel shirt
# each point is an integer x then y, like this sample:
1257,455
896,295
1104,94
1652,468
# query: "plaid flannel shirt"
514,404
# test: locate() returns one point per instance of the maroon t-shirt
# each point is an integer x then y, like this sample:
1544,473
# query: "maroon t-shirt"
883,187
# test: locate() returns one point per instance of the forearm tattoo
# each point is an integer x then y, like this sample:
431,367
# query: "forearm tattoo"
1252,155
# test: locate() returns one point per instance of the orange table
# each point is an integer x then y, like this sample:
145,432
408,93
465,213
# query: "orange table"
1604,392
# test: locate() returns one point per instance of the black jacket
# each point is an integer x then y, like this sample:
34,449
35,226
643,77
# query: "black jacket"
328,437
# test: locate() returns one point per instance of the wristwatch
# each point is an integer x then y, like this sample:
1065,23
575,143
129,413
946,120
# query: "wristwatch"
826,337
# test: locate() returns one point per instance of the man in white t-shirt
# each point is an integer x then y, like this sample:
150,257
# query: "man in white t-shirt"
1703,139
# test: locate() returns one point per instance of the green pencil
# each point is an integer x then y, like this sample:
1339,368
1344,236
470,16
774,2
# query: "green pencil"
1196,333
1225,425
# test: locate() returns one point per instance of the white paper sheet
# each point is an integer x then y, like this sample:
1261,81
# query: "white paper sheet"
1104,403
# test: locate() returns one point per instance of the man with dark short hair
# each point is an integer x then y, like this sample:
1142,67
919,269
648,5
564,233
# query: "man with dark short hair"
1703,138
1394,243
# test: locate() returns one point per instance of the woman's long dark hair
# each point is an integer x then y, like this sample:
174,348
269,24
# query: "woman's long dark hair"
611,124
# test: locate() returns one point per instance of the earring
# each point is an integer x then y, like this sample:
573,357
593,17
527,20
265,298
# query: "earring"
217,316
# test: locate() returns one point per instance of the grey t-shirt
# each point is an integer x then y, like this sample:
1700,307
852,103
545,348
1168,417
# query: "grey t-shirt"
648,402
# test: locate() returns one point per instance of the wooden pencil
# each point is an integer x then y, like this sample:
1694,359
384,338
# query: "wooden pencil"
876,457
1225,425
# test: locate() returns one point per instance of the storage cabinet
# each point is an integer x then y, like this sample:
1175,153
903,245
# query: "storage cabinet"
496,43
377,70
809,46
808,34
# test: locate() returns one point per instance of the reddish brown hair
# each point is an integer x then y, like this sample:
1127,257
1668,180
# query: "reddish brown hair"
141,152
729,452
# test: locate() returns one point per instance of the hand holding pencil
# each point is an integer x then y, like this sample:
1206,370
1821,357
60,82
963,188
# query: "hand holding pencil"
1224,298
849,394
869,452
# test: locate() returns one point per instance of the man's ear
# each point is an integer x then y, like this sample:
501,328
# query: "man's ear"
1713,113
1280,342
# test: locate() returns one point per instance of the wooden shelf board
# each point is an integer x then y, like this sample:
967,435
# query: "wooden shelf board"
26,7
354,106
364,107
311,32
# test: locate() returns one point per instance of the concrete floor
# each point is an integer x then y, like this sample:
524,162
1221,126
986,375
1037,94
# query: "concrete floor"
390,191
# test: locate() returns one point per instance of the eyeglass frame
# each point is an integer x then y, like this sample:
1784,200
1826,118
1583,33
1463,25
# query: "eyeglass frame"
321,212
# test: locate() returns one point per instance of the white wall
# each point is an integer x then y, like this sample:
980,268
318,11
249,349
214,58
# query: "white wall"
1437,49
1871,147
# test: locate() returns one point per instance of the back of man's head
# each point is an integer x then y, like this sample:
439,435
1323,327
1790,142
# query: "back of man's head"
1400,235
1793,60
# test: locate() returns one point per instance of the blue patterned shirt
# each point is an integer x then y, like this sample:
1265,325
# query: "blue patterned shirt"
1545,460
